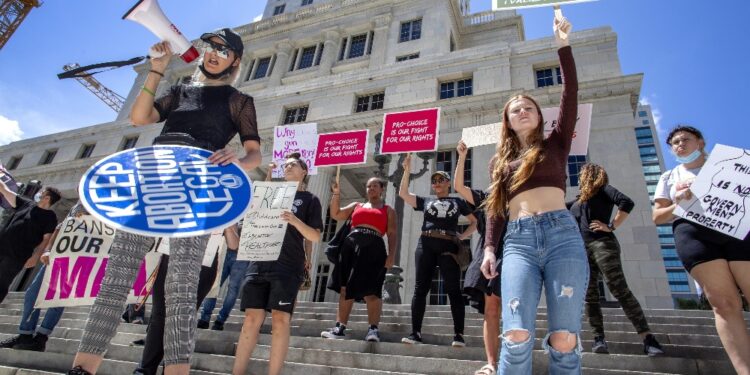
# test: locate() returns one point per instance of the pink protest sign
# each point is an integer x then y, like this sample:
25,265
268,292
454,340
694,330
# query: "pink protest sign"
342,148
412,131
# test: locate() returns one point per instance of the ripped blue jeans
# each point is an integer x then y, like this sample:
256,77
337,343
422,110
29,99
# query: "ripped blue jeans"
542,250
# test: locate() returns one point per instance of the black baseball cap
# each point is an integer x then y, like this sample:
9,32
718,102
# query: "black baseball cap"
233,41
442,174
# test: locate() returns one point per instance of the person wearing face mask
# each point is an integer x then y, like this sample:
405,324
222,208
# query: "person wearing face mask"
436,248
207,113
718,262
26,233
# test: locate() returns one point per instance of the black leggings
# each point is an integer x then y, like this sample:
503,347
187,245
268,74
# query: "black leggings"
430,254
153,351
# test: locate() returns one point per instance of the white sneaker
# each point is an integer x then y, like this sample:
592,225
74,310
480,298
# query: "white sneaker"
372,335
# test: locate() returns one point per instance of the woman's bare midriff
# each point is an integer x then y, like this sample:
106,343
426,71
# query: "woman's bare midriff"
536,201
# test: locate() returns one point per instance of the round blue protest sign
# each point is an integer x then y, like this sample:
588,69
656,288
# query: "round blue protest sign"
165,191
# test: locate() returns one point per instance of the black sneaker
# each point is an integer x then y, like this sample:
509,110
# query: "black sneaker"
414,338
78,370
651,347
11,342
458,341
37,344
338,332
202,324
218,326
599,346
139,342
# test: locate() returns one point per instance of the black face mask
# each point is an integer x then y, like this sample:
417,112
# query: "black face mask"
219,75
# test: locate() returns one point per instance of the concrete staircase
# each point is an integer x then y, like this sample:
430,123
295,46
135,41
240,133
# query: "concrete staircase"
689,338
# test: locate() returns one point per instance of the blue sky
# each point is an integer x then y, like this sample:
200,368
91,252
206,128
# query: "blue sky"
694,59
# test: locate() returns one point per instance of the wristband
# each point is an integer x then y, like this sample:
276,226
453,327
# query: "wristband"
148,91
157,73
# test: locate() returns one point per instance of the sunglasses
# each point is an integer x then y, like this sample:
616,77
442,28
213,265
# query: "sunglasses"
439,180
221,50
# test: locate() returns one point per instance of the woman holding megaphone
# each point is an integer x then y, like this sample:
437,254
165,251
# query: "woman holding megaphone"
207,113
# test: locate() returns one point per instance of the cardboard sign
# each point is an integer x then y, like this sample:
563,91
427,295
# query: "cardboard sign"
721,193
516,4
302,138
7,178
490,133
342,148
413,131
263,230
165,190
77,264
214,243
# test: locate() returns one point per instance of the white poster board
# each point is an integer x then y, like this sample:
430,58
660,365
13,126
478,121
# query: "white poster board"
263,230
302,138
721,193
490,133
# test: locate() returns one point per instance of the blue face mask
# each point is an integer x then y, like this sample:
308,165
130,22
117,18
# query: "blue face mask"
690,158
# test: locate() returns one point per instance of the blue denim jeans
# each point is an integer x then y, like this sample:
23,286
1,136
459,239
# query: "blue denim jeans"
542,250
30,316
234,270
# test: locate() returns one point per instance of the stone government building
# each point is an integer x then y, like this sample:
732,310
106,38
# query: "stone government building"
344,63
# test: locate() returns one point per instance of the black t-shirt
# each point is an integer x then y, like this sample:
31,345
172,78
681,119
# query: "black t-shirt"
211,114
25,229
291,261
442,213
599,207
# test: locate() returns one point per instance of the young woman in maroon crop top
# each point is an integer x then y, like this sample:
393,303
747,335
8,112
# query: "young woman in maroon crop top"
364,259
543,246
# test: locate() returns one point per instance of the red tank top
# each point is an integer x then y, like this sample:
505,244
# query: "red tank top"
374,217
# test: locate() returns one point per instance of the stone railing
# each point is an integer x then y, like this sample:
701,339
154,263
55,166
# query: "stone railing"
305,12
479,18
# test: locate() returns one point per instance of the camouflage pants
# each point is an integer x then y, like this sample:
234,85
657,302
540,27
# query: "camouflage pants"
604,257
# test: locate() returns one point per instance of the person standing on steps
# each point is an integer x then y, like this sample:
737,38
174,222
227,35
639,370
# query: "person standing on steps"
437,247
592,210
364,258
272,286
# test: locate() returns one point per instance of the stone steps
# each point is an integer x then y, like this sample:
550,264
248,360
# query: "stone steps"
690,340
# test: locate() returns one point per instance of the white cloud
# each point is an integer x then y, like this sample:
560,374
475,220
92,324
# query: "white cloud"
10,131
650,100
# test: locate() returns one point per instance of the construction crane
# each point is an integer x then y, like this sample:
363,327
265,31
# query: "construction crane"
109,97
12,13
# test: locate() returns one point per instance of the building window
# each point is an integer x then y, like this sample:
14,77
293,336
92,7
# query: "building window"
262,68
407,57
86,151
679,286
648,154
676,275
321,280
128,143
410,30
14,161
306,2
651,169
642,114
293,115
643,132
548,77
575,163
279,9
356,45
445,160
357,48
306,57
456,88
329,227
645,140
645,122
664,229
48,157
370,102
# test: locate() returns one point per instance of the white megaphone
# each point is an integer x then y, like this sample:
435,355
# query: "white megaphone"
149,14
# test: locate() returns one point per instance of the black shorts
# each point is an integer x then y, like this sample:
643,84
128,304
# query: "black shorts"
270,293
697,244
362,267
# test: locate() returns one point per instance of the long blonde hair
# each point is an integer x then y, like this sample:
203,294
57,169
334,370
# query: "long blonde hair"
591,178
509,149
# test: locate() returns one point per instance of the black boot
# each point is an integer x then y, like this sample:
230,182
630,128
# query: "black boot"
37,344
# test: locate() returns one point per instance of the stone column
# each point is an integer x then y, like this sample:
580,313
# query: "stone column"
330,51
320,186
283,49
381,25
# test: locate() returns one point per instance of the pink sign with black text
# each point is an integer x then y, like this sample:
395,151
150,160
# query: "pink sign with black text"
412,131
342,148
